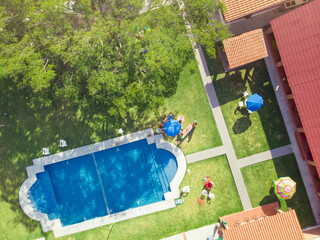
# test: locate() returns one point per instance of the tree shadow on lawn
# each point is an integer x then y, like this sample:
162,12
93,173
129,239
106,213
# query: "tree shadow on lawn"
232,81
256,75
270,114
241,125
28,128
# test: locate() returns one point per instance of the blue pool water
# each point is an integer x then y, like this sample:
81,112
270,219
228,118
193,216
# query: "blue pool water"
104,182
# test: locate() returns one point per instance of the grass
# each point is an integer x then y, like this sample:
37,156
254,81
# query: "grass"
15,225
191,102
184,217
250,133
28,129
259,181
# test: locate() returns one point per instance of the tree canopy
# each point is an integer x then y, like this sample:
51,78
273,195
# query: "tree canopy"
93,53
116,55
205,27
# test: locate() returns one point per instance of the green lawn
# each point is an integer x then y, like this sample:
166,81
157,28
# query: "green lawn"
16,225
250,133
28,129
259,181
184,217
191,101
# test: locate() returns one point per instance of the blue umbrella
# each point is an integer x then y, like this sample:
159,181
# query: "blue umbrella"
254,102
172,127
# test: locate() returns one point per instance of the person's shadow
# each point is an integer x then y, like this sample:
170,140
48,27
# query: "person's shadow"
242,110
190,135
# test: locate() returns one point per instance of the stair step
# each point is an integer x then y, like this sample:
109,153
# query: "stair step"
158,162
43,197
154,172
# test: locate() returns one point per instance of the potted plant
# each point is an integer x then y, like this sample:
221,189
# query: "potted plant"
274,45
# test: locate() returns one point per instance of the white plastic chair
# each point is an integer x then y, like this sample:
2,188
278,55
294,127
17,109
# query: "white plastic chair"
63,143
186,189
211,196
245,93
45,151
241,104
204,192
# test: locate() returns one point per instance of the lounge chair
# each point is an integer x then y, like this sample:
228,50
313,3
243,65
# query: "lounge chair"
45,151
63,143
185,131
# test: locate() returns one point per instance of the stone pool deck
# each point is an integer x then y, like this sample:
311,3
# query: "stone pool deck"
56,225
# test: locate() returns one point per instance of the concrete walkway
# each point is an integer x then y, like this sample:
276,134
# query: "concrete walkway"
243,162
227,147
223,131
312,195
264,156
209,153
197,234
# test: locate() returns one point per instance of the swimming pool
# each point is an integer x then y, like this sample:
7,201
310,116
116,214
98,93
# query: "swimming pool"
105,182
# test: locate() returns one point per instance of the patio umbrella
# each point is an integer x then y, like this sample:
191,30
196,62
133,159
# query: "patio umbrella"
254,102
172,127
284,187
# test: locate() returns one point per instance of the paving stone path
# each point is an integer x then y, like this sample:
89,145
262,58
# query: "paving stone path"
204,232
217,114
227,147
312,195
243,162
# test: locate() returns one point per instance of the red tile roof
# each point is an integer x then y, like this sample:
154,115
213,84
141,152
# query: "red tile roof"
240,8
298,39
282,226
245,48
233,220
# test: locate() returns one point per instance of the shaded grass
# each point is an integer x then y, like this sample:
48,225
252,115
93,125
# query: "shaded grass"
250,133
184,217
28,129
259,182
191,101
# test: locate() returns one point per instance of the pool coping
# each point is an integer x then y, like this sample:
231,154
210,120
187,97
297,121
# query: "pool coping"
56,226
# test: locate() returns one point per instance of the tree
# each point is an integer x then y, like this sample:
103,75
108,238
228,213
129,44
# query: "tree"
206,28
111,58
